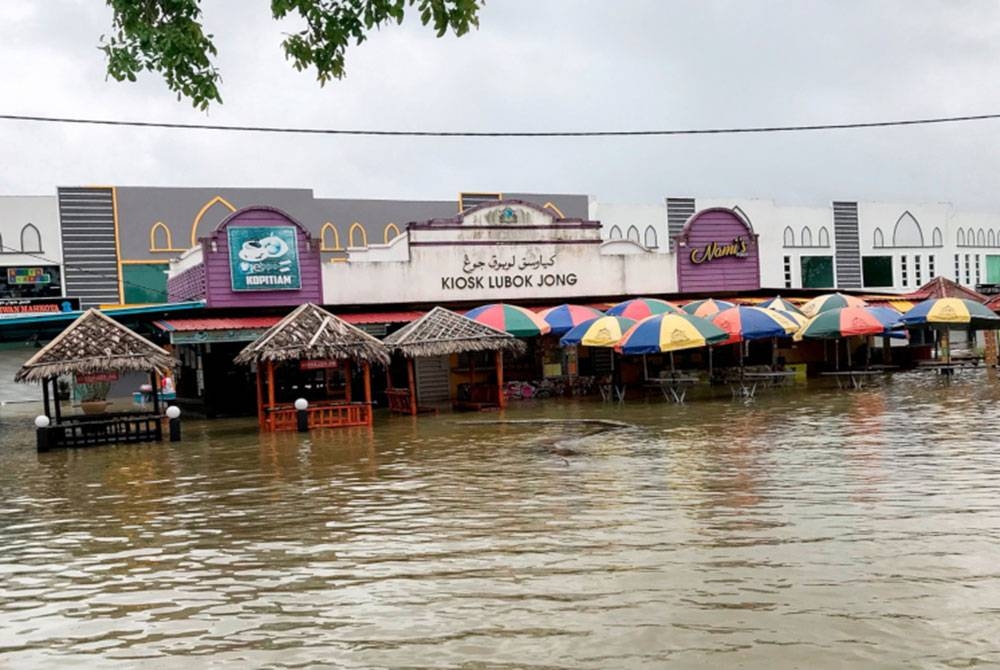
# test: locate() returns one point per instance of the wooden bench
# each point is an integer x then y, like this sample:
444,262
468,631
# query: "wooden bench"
477,398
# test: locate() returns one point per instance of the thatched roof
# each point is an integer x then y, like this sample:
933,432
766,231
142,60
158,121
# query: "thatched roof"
311,332
95,343
441,332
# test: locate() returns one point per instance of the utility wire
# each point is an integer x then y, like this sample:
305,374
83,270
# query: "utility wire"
469,133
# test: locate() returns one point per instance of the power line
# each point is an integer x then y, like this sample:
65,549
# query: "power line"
469,133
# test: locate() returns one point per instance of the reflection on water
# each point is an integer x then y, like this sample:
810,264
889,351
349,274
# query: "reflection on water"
820,529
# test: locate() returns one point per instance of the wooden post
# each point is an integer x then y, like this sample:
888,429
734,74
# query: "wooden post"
45,395
501,398
155,379
58,408
260,399
366,369
411,385
270,394
946,345
887,350
347,380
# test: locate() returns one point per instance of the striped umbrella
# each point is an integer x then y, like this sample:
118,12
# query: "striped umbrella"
841,322
780,304
890,317
640,308
604,331
798,318
753,323
670,332
565,317
949,312
707,308
946,313
827,301
517,321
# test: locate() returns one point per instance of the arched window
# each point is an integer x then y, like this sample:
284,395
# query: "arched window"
357,237
633,234
160,238
615,234
907,232
31,239
789,237
215,210
970,237
391,232
650,237
991,238
981,238
807,237
329,238
960,238
937,240
824,237
878,240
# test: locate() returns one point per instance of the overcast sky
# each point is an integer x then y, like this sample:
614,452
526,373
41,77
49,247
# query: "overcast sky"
538,65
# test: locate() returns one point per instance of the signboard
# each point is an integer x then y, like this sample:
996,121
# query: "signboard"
22,276
97,378
264,258
318,364
21,306
529,269
736,247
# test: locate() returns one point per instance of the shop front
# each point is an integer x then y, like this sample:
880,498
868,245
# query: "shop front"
717,252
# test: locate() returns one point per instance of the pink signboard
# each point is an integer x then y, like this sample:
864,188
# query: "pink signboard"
717,251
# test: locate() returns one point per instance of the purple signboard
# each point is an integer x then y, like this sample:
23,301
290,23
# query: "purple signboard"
717,251
218,275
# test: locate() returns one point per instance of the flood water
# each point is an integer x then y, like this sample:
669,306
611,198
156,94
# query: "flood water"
808,528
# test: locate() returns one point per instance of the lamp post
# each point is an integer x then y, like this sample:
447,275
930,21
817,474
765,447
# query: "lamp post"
174,414
302,415
42,432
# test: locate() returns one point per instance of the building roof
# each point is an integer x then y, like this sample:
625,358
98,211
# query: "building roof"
94,343
442,331
311,332
942,287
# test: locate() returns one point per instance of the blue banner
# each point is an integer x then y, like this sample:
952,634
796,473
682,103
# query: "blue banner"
264,258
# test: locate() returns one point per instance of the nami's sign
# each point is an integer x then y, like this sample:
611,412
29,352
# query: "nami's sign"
736,247
264,258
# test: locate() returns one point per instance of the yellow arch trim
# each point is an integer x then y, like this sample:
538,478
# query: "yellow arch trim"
201,213
159,225
385,234
350,235
323,246
552,206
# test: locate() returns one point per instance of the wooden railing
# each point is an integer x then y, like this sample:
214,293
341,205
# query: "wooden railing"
85,431
399,401
321,415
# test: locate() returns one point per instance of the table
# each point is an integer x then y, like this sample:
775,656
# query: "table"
746,385
856,379
674,387
948,368
611,392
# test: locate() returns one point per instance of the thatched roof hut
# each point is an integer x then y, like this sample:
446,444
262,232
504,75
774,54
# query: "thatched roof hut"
311,332
95,343
441,332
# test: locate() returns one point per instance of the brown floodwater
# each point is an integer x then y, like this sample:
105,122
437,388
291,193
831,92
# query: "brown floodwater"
806,528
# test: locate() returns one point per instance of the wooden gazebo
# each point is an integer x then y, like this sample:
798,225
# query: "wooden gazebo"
94,346
442,332
320,344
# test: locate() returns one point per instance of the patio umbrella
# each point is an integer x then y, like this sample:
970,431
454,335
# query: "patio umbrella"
563,318
780,304
754,323
839,323
827,301
670,332
604,331
946,313
517,321
706,308
640,308
890,317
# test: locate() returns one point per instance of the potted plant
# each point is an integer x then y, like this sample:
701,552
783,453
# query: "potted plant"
94,397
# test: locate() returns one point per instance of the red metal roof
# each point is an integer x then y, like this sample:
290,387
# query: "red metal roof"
229,323
259,322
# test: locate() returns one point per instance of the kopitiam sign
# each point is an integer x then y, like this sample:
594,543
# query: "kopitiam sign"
264,258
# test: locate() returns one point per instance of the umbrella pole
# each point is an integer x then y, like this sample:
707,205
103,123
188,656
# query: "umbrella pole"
774,353
645,368
672,361
710,362
847,345
836,354
946,344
